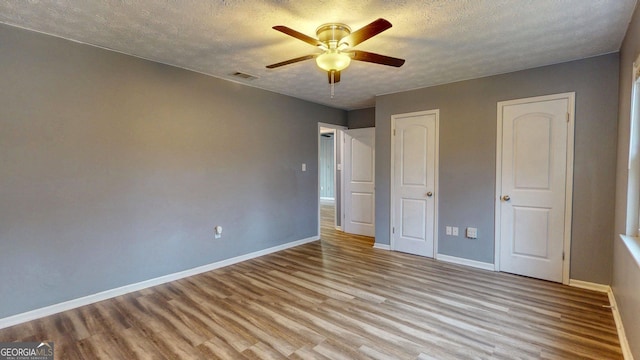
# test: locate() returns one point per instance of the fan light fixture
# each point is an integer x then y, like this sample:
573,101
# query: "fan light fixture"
333,60
336,41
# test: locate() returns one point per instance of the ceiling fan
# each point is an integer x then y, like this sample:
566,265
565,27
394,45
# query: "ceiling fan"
336,42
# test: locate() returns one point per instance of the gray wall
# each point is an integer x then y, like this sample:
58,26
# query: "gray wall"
361,118
115,170
327,166
468,156
626,271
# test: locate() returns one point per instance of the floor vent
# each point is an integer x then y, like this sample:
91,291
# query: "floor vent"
244,76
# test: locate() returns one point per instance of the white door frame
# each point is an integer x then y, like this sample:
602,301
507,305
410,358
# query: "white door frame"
566,265
436,188
336,142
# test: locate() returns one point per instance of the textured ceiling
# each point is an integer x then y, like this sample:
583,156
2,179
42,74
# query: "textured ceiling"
443,41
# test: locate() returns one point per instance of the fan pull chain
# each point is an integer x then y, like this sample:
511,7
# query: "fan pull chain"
333,84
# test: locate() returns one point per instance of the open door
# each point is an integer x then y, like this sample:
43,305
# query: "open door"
359,185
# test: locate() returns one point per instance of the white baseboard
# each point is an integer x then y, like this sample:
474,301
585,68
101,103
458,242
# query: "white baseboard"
339,228
108,294
381,246
466,262
622,336
589,285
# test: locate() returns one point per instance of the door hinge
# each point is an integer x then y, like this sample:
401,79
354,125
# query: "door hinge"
393,230
568,117
394,132
563,256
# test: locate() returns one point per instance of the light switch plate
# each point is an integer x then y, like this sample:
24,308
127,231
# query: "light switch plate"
454,231
448,230
304,167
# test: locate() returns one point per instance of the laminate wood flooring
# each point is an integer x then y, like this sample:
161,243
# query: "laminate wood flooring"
337,298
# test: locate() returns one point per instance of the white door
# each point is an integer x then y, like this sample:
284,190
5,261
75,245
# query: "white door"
359,174
534,199
414,188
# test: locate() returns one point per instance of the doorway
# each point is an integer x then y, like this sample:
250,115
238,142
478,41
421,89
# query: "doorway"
534,180
330,176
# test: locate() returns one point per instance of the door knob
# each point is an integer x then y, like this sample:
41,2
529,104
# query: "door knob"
429,194
506,198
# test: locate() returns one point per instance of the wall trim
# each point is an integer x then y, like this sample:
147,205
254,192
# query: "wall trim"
466,262
589,285
381,246
108,294
633,246
622,336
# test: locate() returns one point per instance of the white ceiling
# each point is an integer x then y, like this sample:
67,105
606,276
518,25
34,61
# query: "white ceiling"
442,41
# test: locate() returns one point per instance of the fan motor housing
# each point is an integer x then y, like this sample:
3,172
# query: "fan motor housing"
332,32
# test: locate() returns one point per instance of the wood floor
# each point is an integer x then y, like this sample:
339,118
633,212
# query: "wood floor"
337,299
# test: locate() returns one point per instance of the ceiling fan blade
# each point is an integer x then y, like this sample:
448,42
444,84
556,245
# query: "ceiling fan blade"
335,78
376,58
367,32
291,61
298,35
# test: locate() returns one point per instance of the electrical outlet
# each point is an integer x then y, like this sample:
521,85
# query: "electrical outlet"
217,232
454,231
472,233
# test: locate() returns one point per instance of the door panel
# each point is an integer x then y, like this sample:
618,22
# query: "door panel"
361,205
359,172
531,232
362,158
532,144
414,213
414,150
533,187
414,183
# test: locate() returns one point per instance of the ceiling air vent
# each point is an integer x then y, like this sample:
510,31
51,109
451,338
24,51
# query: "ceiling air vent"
244,76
